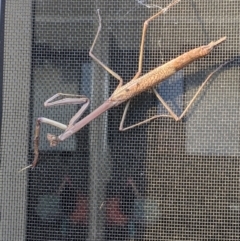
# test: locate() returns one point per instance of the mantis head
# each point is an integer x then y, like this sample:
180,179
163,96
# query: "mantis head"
54,140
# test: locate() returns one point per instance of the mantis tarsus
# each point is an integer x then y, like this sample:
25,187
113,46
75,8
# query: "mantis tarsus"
125,92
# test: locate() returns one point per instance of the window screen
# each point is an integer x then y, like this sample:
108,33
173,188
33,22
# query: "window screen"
164,180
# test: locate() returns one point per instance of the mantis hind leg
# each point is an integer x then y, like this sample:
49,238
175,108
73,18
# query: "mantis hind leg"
171,112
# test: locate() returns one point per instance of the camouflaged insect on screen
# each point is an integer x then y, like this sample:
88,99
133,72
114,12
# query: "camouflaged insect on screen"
165,180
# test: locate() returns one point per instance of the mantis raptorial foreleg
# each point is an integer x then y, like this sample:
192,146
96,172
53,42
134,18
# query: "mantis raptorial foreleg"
68,99
74,99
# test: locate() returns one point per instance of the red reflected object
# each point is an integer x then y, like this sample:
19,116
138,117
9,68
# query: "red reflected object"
113,212
80,213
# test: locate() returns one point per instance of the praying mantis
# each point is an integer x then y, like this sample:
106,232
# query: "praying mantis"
123,93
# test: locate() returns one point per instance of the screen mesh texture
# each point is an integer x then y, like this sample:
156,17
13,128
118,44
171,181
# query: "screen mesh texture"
164,180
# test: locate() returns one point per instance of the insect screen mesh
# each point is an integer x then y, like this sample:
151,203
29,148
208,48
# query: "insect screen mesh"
164,180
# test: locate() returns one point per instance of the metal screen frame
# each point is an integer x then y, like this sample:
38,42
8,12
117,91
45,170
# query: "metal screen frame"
2,16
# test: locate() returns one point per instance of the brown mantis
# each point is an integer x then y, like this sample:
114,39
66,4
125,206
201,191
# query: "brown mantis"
125,92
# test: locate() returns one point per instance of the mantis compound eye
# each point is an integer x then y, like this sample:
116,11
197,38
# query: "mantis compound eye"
52,139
